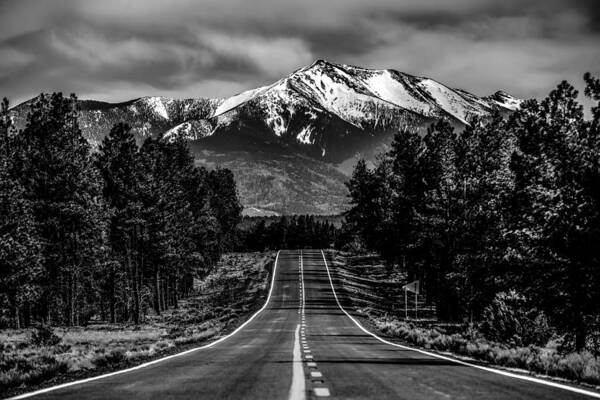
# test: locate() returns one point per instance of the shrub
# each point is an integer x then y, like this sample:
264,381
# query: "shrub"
43,335
509,319
115,356
176,332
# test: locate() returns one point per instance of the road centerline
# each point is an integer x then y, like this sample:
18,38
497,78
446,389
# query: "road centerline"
297,389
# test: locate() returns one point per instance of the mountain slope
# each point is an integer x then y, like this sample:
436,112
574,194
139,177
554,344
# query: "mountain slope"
149,116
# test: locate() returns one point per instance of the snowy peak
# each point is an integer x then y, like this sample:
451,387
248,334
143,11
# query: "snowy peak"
359,95
505,100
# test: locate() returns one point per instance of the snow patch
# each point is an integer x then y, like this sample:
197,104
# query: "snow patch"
156,104
505,100
389,89
235,101
305,135
190,130
450,101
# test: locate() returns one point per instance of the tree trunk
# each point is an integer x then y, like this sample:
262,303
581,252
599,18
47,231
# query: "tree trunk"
72,300
157,290
112,295
17,317
133,267
580,333
164,291
175,299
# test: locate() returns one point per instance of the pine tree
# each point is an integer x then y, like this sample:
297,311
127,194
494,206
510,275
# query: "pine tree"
366,214
226,205
117,161
556,183
20,255
56,171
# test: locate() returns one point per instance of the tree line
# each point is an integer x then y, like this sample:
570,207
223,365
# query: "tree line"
287,232
110,235
508,204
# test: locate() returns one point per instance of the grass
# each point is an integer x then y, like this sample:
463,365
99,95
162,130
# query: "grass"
580,366
236,288
365,285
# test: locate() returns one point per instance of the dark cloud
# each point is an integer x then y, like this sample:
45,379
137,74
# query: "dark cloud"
115,50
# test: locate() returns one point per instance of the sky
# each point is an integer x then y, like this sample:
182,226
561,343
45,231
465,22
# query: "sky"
118,50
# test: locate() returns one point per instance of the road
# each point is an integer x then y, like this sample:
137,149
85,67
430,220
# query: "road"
302,345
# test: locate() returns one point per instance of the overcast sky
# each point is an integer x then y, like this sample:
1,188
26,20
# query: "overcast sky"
117,50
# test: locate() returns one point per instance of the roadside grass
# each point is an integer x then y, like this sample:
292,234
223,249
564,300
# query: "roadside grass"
225,298
581,367
361,279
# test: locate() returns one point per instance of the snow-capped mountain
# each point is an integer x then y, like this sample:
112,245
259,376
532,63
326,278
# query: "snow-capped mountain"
326,113
356,94
333,109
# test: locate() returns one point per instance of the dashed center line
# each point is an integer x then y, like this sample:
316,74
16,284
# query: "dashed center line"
298,388
322,392
318,388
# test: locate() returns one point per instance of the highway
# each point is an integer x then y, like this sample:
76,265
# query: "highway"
302,345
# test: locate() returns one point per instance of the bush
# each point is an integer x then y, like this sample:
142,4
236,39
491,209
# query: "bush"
175,332
510,320
114,357
43,335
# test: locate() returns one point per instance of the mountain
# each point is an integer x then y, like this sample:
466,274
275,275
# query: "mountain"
147,116
335,110
292,144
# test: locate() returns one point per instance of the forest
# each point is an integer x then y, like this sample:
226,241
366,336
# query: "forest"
508,208
286,232
113,234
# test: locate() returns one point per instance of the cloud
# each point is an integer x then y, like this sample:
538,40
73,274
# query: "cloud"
271,56
12,60
115,50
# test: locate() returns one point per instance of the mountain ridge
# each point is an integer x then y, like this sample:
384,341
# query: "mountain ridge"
330,113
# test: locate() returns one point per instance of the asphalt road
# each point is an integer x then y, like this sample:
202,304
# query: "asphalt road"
302,345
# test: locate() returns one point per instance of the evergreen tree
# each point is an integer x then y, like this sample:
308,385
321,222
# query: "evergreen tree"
366,214
556,175
118,163
226,205
20,255
59,179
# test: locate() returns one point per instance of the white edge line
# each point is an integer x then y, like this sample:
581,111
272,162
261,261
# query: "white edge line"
495,371
123,371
